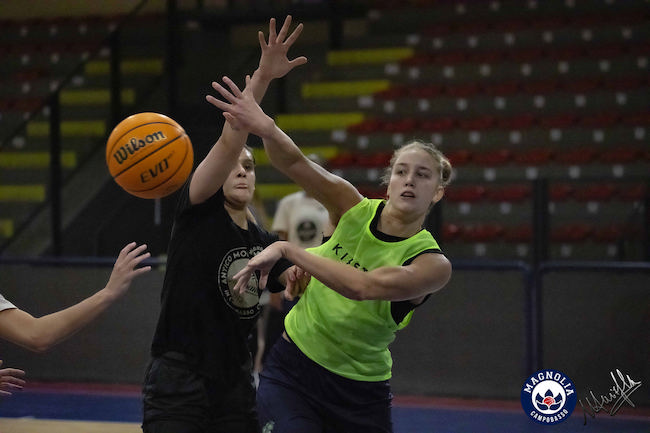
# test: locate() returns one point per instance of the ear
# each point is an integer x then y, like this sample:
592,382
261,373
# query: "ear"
440,192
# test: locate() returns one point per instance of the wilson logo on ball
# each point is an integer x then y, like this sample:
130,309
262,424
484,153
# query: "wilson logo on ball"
133,145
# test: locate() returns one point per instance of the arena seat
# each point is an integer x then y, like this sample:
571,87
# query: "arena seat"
487,232
601,191
572,232
493,157
465,193
509,193
536,156
577,156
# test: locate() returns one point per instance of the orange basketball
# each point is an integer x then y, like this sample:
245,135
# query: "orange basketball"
149,155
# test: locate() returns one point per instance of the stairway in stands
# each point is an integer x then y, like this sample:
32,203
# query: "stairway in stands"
38,55
511,91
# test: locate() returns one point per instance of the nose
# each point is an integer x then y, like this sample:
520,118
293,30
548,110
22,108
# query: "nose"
410,179
241,171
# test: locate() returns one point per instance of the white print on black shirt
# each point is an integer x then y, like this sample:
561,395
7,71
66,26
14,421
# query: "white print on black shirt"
246,305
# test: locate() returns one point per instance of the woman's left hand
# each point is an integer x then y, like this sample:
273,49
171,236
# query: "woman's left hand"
262,262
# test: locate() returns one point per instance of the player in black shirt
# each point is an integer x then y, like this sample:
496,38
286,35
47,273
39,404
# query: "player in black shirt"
199,378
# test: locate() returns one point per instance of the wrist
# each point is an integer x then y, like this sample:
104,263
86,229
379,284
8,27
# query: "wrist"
262,76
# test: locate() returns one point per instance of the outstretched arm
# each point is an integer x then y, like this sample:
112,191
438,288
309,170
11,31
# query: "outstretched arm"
40,334
212,172
243,113
426,274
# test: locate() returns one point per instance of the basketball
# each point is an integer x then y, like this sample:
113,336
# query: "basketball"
149,155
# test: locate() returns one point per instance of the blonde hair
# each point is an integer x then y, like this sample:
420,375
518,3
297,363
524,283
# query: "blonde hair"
444,166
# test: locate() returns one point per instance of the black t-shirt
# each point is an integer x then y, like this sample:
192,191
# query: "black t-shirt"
200,316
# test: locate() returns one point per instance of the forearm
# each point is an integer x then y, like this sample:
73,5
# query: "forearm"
347,280
46,331
280,148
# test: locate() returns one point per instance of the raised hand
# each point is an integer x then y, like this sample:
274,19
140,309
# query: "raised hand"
125,268
241,109
274,62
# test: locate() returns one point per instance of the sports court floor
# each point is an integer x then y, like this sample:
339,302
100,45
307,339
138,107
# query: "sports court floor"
66,408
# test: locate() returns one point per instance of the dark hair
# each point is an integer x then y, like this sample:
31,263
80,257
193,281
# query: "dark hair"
444,167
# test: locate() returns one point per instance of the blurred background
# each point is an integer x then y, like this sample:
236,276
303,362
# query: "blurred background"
541,106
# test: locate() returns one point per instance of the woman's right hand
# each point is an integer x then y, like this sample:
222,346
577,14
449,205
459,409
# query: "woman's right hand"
11,380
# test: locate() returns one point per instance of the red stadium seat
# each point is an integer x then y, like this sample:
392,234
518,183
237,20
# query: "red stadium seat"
459,157
560,192
610,233
465,193
538,156
632,192
563,120
518,121
574,232
400,125
428,90
577,156
520,234
523,55
582,85
394,92
451,232
600,120
478,123
504,88
620,155
343,159
493,157
439,124
595,192
509,193
639,119
541,87
368,126
488,232
464,90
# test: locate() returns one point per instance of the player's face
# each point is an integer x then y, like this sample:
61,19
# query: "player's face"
240,184
414,181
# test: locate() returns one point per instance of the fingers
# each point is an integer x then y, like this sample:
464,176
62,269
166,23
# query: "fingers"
264,279
228,96
124,251
272,35
298,61
293,36
284,30
233,87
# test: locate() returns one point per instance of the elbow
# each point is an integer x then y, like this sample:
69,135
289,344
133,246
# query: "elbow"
38,344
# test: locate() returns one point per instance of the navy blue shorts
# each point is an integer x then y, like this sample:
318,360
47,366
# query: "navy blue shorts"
178,400
297,395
